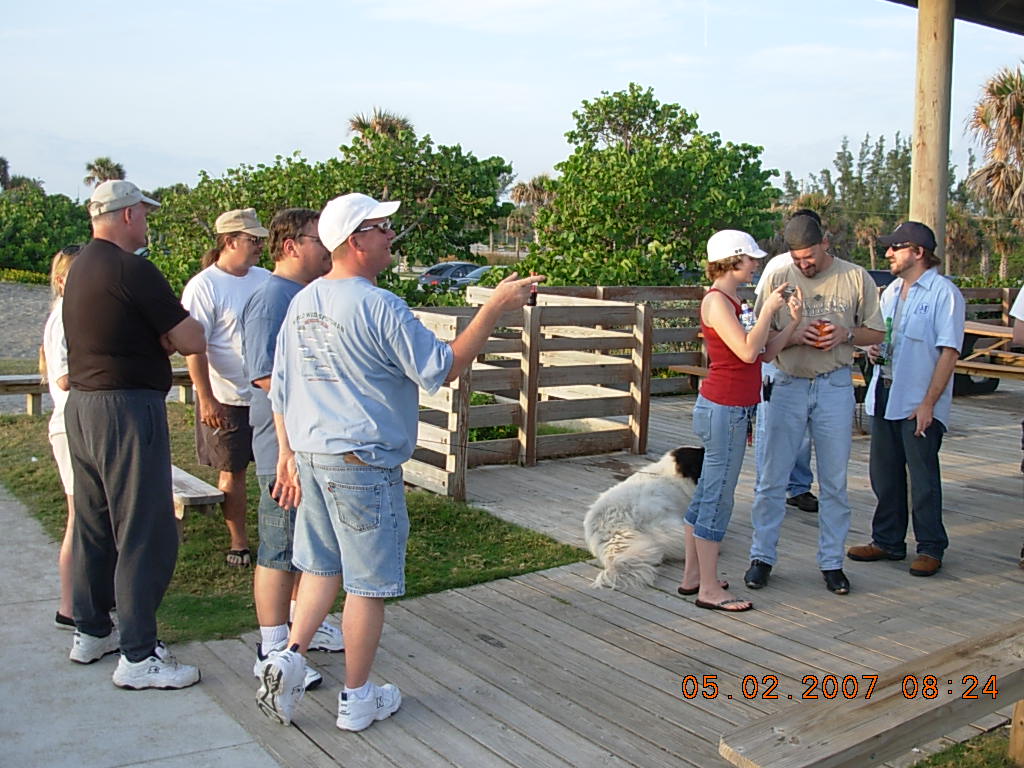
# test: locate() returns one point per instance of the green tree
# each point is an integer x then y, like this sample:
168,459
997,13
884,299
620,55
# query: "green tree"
5,173
102,169
642,191
533,195
997,122
34,226
449,198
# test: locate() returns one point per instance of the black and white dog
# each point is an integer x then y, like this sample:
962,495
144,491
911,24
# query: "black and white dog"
636,524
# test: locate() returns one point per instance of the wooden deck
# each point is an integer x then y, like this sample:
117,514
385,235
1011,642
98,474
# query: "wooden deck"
543,670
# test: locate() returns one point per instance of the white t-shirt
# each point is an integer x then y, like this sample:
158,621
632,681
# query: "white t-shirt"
1017,310
775,263
55,348
216,299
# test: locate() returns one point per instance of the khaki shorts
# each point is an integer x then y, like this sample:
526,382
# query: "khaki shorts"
228,448
59,444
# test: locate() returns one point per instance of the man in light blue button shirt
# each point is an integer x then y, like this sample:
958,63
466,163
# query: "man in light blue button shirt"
909,401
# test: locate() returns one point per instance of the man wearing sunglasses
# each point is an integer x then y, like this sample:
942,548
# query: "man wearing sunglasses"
216,297
909,400
350,360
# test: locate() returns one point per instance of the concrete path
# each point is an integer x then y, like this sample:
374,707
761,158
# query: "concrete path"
57,713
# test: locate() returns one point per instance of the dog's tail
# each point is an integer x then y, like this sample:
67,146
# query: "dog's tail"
629,559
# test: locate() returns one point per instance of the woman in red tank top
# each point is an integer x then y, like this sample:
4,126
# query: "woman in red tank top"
725,405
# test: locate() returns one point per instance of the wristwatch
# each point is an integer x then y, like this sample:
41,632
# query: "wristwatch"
849,336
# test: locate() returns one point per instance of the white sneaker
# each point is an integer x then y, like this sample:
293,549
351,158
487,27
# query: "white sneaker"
313,678
161,670
282,684
327,638
356,714
85,649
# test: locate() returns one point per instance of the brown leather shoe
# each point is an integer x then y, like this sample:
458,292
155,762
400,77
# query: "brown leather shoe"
870,552
925,565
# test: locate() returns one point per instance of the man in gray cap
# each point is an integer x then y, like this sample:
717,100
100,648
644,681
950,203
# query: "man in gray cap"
909,400
122,320
349,364
813,390
216,298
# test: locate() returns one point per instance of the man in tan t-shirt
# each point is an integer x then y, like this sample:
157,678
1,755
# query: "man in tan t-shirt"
813,390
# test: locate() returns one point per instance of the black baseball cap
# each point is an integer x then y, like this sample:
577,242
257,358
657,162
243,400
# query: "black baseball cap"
910,232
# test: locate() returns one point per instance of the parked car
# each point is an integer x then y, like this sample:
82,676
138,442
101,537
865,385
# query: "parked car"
470,278
445,272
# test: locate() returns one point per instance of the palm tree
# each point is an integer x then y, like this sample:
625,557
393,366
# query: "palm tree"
964,240
867,231
102,169
997,123
381,122
5,173
534,195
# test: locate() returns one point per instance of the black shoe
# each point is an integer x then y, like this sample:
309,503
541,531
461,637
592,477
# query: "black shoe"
757,575
836,581
806,502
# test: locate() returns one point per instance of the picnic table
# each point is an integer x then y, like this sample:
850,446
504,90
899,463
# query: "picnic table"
985,358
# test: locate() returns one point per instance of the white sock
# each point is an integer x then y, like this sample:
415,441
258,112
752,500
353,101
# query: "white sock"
291,612
358,693
274,636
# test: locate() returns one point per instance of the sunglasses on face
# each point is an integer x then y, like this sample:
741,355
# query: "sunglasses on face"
383,226
257,241
900,246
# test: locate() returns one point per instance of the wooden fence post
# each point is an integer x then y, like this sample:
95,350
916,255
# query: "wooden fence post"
1016,751
530,368
640,386
457,456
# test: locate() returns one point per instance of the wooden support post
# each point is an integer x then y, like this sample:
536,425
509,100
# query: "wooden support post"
530,368
1016,752
185,394
458,427
33,404
929,173
640,385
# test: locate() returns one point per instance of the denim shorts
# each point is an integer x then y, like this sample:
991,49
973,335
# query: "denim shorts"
277,530
352,520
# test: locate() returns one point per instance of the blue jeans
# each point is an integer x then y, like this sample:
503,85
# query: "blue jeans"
277,529
352,520
824,405
722,430
895,454
801,477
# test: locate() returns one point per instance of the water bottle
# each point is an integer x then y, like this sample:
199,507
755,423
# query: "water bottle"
884,348
747,318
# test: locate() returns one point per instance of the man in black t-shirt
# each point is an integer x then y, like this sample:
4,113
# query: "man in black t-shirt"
122,320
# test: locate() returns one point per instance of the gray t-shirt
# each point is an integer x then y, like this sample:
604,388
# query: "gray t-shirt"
350,360
261,320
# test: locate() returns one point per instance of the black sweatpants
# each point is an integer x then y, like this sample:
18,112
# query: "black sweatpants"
124,542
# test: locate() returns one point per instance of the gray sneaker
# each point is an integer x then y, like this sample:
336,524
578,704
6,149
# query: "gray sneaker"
327,638
161,670
356,714
282,684
85,649
313,678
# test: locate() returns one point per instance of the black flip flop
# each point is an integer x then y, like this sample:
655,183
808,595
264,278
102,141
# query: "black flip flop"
695,590
722,605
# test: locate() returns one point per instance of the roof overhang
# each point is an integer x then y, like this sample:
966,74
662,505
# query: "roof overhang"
1007,15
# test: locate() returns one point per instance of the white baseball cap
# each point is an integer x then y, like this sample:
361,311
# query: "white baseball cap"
342,215
731,242
115,194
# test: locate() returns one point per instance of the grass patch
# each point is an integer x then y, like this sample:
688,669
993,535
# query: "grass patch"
17,366
450,545
989,750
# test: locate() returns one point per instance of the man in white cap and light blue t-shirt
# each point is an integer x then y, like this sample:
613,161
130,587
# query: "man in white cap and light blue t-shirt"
350,360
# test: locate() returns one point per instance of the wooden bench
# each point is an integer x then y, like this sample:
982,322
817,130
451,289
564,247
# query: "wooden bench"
34,388
861,731
192,494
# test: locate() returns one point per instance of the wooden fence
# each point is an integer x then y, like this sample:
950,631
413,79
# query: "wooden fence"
584,355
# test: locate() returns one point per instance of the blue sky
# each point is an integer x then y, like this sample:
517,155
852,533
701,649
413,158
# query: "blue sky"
172,88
